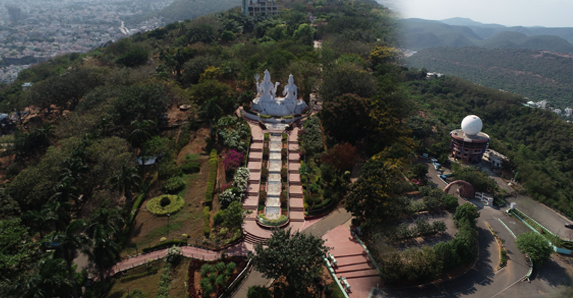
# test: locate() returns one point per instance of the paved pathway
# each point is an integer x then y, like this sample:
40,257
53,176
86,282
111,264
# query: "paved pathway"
187,251
331,221
352,262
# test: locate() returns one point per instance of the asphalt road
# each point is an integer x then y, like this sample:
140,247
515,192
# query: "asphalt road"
483,280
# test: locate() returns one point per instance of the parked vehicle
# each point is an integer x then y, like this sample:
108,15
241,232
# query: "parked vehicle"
568,225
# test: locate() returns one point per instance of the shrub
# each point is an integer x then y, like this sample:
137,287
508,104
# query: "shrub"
284,153
284,137
262,196
266,152
173,255
227,197
284,198
163,244
206,220
164,201
233,160
314,188
207,269
264,174
284,174
176,204
451,202
212,178
174,184
218,218
190,167
168,169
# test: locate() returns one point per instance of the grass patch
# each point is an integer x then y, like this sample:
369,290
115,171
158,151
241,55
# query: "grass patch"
157,205
147,284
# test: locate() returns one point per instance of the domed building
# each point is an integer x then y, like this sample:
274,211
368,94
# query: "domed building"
469,143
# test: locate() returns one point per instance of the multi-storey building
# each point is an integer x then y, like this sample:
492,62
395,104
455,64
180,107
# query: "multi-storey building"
469,143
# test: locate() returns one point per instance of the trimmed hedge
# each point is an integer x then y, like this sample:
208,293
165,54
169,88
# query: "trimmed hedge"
168,243
150,271
174,185
154,205
206,221
212,178
132,214
190,167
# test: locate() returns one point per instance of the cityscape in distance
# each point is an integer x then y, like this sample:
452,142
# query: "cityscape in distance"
34,31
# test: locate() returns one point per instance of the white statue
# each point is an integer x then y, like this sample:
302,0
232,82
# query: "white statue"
268,104
291,92
267,89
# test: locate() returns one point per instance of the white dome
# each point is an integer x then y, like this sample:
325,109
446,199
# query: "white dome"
472,125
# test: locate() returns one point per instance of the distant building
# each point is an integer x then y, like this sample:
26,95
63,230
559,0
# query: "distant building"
26,85
495,158
469,143
430,75
568,112
255,8
557,111
541,104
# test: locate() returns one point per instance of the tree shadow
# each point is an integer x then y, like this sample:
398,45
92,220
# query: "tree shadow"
553,273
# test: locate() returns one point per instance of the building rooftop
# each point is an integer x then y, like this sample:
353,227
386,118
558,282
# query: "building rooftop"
459,134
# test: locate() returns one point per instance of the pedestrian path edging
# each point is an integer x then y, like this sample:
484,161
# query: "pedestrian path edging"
528,275
367,251
333,274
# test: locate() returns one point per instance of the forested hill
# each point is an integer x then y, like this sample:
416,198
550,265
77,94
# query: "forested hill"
418,34
538,75
538,143
186,9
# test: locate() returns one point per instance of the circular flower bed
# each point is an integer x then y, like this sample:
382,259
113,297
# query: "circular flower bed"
160,207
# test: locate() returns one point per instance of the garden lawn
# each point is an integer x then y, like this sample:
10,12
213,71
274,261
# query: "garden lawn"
178,279
148,229
147,284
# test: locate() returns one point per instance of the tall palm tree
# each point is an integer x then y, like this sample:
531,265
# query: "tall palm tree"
126,180
69,243
104,227
142,131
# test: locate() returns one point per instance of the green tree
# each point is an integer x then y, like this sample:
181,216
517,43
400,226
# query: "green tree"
535,246
356,81
347,118
136,56
374,195
234,215
467,212
70,242
104,229
126,181
419,171
296,257
259,292
227,36
304,34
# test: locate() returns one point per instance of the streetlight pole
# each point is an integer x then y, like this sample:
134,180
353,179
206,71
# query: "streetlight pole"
168,215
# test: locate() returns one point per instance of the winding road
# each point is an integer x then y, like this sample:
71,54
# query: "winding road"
483,280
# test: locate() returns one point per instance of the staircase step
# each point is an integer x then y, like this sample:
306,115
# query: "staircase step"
345,261
353,268
358,274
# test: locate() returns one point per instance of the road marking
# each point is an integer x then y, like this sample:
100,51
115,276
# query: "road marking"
481,282
471,288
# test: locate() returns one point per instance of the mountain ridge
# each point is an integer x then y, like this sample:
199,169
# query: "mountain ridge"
419,34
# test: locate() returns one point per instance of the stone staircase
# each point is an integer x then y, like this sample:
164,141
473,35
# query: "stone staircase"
273,203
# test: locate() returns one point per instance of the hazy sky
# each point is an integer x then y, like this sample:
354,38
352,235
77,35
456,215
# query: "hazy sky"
547,13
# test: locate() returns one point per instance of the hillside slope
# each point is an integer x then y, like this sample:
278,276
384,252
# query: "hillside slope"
536,74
